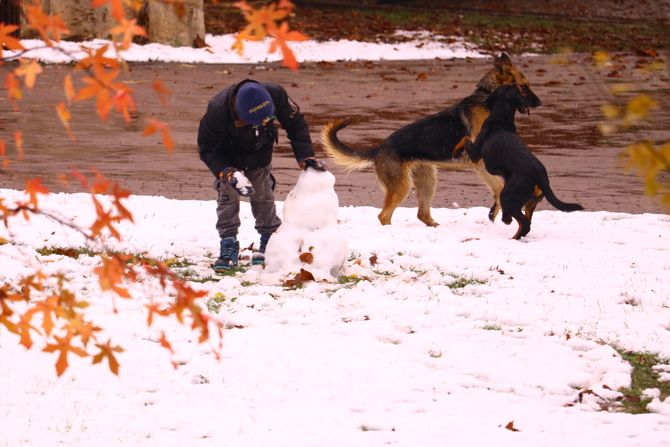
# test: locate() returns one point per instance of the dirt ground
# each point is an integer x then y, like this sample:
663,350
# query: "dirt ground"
584,166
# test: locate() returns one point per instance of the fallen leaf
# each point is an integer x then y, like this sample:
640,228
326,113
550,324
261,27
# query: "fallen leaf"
306,258
510,426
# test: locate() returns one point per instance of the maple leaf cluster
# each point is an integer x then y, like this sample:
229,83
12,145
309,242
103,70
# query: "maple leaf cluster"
40,304
54,312
270,21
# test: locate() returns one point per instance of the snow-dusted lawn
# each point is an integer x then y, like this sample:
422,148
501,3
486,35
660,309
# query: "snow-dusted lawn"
455,332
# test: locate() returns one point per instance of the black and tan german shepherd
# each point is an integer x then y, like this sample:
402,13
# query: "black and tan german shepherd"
412,154
505,154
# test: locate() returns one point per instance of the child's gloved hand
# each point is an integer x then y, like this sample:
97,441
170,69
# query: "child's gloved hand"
311,162
238,180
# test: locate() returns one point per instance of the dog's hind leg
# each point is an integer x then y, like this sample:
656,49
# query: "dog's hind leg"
524,225
511,205
495,184
532,203
425,180
395,182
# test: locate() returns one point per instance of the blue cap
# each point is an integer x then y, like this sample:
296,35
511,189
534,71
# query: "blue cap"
254,103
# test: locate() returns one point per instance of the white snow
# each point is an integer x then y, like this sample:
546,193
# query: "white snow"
396,352
428,336
219,50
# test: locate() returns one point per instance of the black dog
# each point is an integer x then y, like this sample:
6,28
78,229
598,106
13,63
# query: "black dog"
506,155
411,155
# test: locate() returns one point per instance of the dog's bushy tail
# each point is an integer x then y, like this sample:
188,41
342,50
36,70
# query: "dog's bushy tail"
551,197
342,154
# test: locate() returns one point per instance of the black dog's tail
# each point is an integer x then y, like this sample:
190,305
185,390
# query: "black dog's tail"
551,197
342,154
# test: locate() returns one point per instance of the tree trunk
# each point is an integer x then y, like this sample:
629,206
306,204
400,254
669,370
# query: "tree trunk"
166,26
10,14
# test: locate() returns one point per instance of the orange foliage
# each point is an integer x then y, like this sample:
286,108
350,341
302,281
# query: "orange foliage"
29,70
48,309
6,40
269,21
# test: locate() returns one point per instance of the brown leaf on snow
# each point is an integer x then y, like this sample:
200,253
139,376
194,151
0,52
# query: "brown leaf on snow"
510,426
306,258
373,260
299,279
305,276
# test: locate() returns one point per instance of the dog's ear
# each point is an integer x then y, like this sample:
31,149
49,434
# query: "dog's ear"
502,61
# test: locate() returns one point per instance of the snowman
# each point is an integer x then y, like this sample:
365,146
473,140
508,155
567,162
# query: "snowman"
309,237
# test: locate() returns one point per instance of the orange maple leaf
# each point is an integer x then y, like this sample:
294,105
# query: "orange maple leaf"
111,274
106,220
123,102
85,330
29,70
18,140
101,184
49,27
13,87
166,343
154,125
119,194
107,352
282,36
259,22
99,87
162,91
7,40
65,116
117,7
97,60
127,29
68,87
33,188
270,21
64,347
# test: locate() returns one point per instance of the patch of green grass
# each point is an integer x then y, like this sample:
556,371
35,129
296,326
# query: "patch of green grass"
350,279
204,279
215,302
502,22
527,33
643,377
461,282
492,327
233,271
406,18
69,252
178,262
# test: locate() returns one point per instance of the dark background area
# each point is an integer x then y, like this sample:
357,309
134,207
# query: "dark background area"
584,165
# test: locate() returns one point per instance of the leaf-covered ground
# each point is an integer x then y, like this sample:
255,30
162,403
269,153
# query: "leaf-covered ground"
520,26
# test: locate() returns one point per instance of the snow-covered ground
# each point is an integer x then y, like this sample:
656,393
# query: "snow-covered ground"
449,334
423,46
454,335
